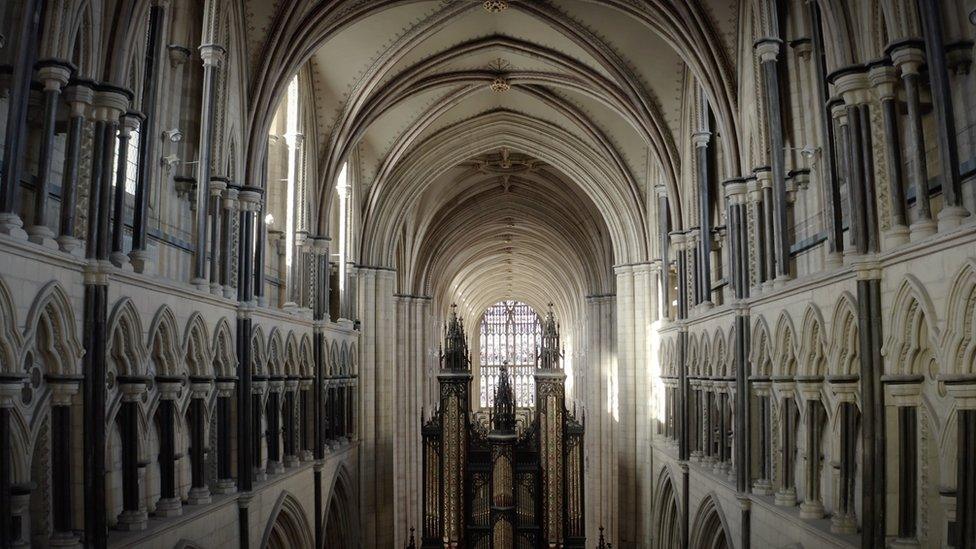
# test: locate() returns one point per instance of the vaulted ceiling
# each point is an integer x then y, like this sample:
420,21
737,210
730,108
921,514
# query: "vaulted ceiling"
582,100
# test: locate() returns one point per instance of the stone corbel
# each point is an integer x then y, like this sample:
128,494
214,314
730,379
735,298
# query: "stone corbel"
178,55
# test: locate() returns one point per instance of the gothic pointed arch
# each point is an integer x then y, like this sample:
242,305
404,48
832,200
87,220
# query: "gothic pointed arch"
760,359
784,348
667,513
306,359
259,355
908,348
959,339
163,344
275,353
339,522
291,356
812,354
127,353
199,356
709,529
844,347
50,331
225,352
288,526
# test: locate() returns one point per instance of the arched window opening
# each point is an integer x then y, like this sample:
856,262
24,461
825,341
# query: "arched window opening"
511,333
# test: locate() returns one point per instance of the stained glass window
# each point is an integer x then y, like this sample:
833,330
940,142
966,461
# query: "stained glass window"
510,332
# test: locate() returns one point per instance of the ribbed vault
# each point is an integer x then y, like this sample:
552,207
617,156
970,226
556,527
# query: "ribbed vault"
419,96
505,225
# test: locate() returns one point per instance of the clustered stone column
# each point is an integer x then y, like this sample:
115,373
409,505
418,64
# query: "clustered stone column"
833,214
53,75
169,504
708,422
199,391
903,395
230,253
225,393
258,388
79,96
785,391
217,254
10,389
884,79
211,54
140,256
768,50
698,421
63,390
852,84
809,389
130,122
762,389
908,59
663,230
307,426
291,432
845,390
703,290
22,56
275,386
133,515
962,390
952,213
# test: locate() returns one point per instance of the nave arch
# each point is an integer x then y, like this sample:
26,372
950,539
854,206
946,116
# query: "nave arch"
339,521
709,529
288,526
667,513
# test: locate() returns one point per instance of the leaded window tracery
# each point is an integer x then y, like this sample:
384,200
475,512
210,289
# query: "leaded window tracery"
511,333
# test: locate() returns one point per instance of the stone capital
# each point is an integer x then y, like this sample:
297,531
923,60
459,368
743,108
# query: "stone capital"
212,54
764,179
701,139
80,95
129,123
169,389
217,186
11,385
250,199
230,199
132,389
735,189
110,102
53,74
320,245
225,388
883,79
63,388
908,59
852,83
768,49
200,388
